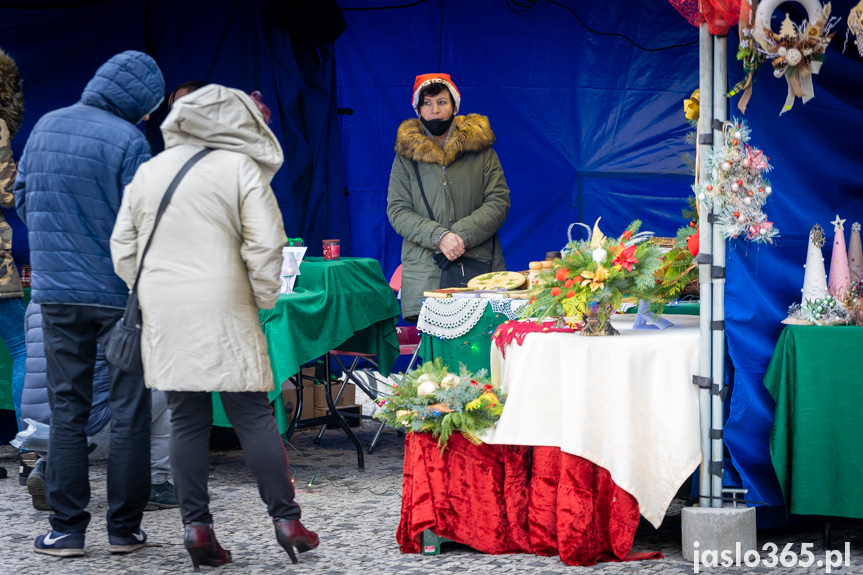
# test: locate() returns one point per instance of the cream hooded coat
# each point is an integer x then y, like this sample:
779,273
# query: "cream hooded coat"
216,254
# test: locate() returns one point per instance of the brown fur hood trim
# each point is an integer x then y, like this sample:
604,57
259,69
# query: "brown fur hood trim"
471,133
11,96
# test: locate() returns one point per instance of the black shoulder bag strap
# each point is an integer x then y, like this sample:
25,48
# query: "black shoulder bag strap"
431,215
422,191
164,204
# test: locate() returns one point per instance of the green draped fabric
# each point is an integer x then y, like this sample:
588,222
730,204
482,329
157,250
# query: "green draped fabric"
473,349
337,304
815,444
6,368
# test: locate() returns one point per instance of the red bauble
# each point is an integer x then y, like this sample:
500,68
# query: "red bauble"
568,284
561,274
555,291
736,214
739,182
570,294
751,193
709,188
692,244
578,279
691,224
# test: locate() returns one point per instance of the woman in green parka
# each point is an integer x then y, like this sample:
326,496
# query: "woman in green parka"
463,183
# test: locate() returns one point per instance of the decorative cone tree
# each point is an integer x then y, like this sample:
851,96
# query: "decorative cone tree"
737,187
840,279
815,277
855,255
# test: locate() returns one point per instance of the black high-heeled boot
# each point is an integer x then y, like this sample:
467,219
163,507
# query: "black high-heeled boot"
291,533
200,542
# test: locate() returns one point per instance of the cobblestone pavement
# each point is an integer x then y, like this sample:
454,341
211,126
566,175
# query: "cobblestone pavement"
355,513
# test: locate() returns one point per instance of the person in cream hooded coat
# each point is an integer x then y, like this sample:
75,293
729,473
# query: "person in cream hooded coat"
216,255
213,263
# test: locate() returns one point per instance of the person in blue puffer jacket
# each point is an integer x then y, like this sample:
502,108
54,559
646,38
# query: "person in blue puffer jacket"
70,183
34,406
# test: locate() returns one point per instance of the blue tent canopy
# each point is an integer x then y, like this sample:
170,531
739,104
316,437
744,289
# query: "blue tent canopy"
585,98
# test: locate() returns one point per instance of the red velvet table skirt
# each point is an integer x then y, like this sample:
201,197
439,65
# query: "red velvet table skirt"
514,499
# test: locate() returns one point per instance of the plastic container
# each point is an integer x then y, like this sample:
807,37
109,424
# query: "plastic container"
332,249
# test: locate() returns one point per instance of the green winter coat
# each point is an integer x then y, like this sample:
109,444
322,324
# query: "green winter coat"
466,189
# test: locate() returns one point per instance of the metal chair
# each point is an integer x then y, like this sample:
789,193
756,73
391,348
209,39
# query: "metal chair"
409,342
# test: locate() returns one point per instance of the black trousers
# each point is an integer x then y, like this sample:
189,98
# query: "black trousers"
252,418
71,333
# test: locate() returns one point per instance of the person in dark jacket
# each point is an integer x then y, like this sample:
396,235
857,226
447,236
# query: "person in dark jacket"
70,183
34,406
464,186
11,291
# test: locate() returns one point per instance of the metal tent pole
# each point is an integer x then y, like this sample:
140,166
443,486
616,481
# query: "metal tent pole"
720,115
705,241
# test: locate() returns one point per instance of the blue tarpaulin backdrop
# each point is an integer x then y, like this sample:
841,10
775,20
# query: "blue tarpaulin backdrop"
230,42
588,125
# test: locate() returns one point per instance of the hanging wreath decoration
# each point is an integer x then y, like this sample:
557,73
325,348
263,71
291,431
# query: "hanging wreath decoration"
797,52
855,25
749,54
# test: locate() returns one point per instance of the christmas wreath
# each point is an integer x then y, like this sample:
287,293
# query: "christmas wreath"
433,400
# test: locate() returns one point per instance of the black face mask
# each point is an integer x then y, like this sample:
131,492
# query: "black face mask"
437,127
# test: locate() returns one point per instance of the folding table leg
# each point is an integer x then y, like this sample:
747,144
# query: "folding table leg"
341,420
377,435
341,391
297,381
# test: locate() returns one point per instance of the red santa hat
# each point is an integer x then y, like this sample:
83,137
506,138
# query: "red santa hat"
426,79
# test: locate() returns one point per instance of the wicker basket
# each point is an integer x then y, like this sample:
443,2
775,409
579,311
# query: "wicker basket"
691,290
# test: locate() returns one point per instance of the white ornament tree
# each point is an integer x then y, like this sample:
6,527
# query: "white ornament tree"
737,188
815,277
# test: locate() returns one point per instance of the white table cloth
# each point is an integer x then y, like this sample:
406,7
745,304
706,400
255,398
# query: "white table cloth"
626,403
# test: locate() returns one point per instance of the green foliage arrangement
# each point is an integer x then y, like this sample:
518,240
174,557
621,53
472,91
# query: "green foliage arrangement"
431,399
594,276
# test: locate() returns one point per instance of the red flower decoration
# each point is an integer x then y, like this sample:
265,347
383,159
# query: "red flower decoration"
626,259
757,159
474,383
626,235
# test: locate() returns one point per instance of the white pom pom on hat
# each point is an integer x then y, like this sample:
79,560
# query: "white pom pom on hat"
426,79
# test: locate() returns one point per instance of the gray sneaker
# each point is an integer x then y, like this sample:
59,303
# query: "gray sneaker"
36,486
162,497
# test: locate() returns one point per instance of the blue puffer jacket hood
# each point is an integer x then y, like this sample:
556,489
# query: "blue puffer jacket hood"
71,177
129,85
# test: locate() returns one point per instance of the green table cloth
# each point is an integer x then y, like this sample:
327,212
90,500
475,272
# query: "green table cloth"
472,349
337,304
682,308
815,444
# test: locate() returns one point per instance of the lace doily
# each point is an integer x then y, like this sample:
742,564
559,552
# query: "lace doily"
450,318
508,307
